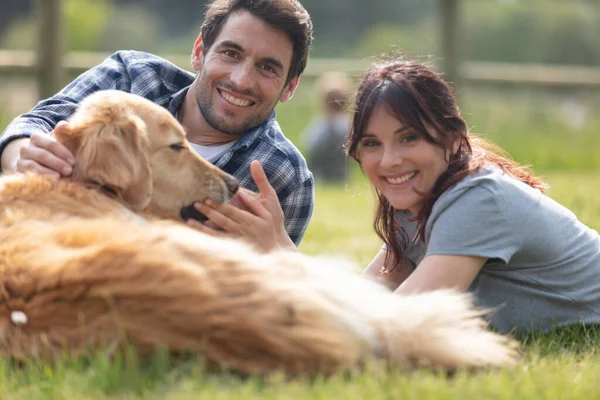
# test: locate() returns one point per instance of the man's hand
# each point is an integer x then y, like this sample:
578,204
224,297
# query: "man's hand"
258,217
42,154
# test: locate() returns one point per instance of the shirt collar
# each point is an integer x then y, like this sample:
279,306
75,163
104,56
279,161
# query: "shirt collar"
176,100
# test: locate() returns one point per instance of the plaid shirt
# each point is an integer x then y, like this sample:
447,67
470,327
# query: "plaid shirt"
166,84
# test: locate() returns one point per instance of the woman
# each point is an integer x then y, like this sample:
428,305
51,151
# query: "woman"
453,213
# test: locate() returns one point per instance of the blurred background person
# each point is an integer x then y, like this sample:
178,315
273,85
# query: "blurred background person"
325,134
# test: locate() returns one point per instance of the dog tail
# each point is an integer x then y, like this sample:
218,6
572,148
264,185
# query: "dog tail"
442,329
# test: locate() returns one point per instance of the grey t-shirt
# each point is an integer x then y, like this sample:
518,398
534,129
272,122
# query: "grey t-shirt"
543,268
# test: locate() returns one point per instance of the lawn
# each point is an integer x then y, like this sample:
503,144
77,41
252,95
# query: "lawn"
557,366
562,365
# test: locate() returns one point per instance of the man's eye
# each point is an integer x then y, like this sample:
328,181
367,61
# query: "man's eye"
230,53
269,69
177,147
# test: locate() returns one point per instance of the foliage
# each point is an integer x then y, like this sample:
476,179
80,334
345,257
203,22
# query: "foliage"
391,39
132,27
533,31
85,21
551,31
93,25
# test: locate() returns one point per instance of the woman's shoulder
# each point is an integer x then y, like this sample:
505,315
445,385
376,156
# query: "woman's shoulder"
487,190
492,181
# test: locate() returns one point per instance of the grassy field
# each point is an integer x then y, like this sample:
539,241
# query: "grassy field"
562,365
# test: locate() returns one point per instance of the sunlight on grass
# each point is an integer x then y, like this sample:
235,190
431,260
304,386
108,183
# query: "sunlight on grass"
560,365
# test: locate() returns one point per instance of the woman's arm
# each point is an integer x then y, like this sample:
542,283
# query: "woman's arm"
391,279
442,272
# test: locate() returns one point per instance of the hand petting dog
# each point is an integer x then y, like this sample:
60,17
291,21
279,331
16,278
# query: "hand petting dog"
254,217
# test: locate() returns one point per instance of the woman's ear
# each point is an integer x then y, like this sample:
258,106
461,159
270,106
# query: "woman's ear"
455,146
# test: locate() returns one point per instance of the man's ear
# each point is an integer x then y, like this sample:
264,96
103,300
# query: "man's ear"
289,89
197,53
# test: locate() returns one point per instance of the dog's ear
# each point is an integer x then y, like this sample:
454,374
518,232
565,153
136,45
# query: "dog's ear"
116,156
68,137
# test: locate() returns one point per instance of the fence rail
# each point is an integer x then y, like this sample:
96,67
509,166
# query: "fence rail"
23,63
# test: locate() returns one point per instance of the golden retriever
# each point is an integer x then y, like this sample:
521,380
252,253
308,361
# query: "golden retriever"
133,153
79,269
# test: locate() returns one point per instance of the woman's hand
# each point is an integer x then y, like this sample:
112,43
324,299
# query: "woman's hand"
256,217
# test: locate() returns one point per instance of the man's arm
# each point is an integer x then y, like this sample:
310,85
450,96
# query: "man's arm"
11,154
297,209
44,117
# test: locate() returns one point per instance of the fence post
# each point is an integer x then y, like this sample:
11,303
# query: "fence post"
450,41
50,47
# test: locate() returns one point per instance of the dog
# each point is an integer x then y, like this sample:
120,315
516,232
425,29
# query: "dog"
136,157
92,262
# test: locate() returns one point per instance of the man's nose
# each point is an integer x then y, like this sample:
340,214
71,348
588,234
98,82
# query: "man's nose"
242,76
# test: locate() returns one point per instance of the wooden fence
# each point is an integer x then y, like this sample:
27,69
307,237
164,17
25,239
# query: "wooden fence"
23,63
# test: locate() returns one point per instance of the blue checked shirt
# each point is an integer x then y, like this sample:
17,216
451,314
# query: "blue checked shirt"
166,84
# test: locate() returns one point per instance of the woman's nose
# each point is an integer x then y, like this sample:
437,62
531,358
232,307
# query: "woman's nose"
390,158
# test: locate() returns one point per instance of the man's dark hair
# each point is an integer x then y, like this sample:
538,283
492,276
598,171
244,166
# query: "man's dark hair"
288,16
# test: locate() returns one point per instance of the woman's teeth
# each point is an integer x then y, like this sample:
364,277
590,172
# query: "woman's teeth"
401,179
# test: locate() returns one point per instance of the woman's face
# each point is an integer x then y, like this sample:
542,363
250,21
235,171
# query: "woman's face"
398,160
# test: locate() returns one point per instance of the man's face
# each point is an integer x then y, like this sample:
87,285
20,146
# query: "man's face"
242,76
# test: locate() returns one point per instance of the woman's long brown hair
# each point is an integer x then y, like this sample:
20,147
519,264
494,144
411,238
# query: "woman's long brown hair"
420,98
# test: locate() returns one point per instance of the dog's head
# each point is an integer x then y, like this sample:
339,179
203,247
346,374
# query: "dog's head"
137,150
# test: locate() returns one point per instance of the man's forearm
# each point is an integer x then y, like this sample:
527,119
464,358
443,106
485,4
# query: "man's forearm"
11,155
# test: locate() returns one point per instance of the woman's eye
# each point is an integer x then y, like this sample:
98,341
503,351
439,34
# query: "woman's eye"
411,137
369,143
177,147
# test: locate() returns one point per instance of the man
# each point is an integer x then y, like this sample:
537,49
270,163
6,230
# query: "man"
248,57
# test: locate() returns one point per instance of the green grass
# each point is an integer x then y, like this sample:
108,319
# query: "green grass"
562,365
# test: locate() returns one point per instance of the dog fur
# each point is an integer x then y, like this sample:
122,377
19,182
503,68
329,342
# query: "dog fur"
81,269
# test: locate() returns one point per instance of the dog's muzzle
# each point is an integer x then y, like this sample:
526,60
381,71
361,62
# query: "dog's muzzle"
189,212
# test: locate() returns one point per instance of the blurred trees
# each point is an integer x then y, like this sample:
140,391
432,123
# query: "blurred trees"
93,25
556,32
544,31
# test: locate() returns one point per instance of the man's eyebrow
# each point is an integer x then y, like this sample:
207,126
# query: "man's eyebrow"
231,44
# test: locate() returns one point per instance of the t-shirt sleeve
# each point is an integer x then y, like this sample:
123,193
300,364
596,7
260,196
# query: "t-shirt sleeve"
473,224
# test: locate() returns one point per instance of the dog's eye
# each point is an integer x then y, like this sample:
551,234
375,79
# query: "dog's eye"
177,147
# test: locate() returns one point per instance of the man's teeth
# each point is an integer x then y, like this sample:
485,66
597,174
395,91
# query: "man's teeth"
402,179
235,101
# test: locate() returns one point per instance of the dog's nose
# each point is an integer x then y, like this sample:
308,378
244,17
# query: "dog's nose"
232,185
